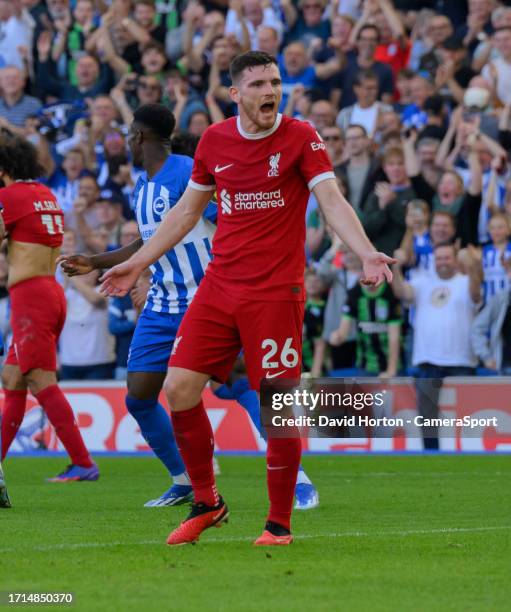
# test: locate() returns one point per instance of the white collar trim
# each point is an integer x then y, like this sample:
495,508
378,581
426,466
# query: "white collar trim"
259,135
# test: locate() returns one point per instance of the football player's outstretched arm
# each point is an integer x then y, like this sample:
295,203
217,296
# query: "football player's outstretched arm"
180,220
77,264
341,217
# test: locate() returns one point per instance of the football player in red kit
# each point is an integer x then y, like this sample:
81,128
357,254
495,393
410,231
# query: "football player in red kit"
263,166
34,225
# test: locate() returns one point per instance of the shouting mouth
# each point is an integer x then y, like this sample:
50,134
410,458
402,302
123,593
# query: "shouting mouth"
267,107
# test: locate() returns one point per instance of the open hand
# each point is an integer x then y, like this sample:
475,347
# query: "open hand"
376,269
117,281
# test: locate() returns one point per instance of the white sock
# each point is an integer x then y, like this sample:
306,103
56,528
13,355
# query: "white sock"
181,479
302,477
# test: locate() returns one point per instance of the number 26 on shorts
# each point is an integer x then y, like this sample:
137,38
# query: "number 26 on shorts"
288,355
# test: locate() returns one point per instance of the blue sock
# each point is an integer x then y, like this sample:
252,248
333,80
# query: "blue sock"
249,399
224,392
156,427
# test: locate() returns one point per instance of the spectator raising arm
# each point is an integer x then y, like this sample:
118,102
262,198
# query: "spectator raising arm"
59,43
181,98
370,7
118,95
402,290
215,112
447,142
290,13
107,21
475,186
141,35
194,53
235,12
45,80
393,19
105,49
411,157
292,101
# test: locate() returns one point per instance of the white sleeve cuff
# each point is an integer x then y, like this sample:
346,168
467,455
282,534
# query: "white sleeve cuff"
200,187
320,177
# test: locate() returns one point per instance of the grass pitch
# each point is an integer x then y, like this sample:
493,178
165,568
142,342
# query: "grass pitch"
392,533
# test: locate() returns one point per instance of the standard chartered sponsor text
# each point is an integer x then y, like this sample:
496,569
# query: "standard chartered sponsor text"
258,201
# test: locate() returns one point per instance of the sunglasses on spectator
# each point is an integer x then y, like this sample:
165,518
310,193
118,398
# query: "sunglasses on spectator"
331,137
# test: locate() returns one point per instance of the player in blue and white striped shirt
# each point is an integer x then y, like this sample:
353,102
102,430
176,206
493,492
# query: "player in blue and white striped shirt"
174,281
176,275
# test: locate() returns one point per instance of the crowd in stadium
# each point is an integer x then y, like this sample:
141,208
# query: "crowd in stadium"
411,102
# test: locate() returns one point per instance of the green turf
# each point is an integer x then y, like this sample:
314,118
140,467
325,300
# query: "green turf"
392,533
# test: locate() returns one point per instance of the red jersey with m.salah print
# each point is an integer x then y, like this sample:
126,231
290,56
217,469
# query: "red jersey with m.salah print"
31,213
263,183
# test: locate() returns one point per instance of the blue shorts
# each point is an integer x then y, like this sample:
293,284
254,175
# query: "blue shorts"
153,341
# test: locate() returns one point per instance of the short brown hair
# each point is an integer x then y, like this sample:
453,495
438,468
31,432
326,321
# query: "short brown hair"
250,59
393,152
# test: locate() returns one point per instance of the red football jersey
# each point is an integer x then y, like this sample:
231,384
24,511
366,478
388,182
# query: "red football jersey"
31,213
263,183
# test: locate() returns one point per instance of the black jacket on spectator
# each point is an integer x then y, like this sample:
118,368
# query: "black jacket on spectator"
467,217
386,227
374,174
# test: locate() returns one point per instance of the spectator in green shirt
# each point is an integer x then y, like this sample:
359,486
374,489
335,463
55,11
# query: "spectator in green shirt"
377,314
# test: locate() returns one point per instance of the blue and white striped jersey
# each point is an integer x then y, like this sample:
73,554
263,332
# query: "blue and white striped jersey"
176,275
424,257
494,275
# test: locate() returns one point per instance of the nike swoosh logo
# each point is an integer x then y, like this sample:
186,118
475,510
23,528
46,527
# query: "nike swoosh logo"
280,467
222,168
268,375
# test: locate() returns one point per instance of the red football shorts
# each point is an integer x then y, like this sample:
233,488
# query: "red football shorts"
38,313
216,327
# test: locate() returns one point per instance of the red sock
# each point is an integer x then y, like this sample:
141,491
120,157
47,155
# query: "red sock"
282,460
60,415
194,438
12,417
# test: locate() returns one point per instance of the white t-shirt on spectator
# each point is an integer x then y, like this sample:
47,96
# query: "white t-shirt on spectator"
503,78
444,312
270,20
366,117
14,33
85,339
